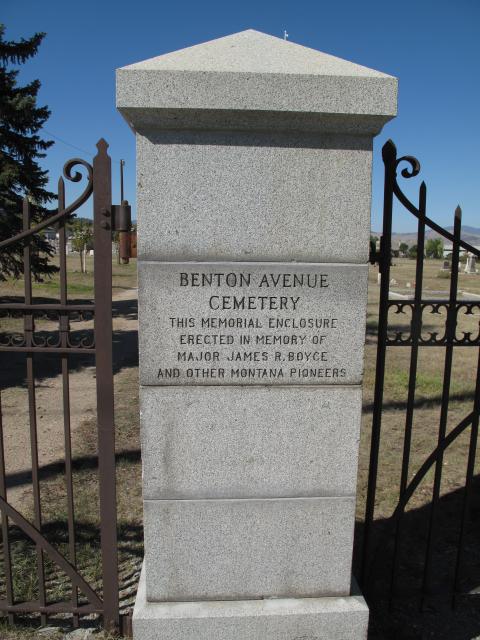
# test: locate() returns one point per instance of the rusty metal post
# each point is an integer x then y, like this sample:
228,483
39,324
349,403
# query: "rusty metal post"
122,222
124,248
29,329
102,212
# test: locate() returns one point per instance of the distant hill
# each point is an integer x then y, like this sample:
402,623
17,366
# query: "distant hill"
469,234
466,229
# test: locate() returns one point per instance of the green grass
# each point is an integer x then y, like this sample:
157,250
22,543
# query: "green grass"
124,276
53,287
427,385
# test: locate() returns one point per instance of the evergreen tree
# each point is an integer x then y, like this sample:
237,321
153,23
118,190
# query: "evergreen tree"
20,148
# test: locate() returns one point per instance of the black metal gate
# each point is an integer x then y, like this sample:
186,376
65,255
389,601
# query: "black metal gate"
67,344
388,552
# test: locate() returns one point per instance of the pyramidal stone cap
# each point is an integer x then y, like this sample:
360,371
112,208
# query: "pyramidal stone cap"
254,81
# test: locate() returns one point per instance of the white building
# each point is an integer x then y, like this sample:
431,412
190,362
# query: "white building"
448,248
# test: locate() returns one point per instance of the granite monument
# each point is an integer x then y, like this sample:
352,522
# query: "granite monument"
253,194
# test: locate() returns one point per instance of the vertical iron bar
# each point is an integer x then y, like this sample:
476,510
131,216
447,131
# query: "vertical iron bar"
29,329
385,259
102,204
472,452
5,530
64,328
416,327
450,336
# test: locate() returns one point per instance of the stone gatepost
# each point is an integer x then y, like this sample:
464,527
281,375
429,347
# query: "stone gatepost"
253,194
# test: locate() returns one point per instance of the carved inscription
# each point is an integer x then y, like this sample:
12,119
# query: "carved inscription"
233,324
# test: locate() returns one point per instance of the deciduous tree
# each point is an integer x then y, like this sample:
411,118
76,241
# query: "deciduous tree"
82,241
412,252
434,248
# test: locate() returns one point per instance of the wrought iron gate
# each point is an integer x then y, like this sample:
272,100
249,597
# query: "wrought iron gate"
66,345
385,546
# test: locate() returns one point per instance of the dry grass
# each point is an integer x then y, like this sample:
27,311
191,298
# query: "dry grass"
54,513
84,445
404,621
22,632
429,383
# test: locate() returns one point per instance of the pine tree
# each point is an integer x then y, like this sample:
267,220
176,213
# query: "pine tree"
20,148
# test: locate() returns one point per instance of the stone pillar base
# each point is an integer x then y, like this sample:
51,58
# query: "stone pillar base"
334,618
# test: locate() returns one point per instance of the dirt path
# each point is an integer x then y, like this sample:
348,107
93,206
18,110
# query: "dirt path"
50,420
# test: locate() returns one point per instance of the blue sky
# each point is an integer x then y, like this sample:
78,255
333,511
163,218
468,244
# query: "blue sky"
432,46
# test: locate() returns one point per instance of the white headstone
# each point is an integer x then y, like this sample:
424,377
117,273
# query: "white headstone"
471,264
254,171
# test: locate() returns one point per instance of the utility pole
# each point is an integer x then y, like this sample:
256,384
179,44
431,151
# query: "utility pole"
122,164
123,236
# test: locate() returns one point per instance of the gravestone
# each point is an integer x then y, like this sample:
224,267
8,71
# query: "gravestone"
446,265
471,264
253,194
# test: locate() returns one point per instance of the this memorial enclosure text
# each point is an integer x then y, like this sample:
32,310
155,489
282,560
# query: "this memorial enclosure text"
248,326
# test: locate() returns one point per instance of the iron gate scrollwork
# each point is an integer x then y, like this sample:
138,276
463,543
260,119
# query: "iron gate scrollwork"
414,336
64,344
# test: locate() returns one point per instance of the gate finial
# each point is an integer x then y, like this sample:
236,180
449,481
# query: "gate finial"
423,191
389,152
102,146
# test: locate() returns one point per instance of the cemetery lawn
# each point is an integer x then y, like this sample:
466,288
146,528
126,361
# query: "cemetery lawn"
80,285
441,624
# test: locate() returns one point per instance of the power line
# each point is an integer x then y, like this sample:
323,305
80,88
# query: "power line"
69,144
73,146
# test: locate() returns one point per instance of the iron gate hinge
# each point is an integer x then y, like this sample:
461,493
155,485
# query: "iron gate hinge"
122,224
121,216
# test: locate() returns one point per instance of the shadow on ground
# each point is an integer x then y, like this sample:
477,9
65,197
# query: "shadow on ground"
441,616
125,350
400,618
80,463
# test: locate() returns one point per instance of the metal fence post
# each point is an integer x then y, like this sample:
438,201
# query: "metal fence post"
102,207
